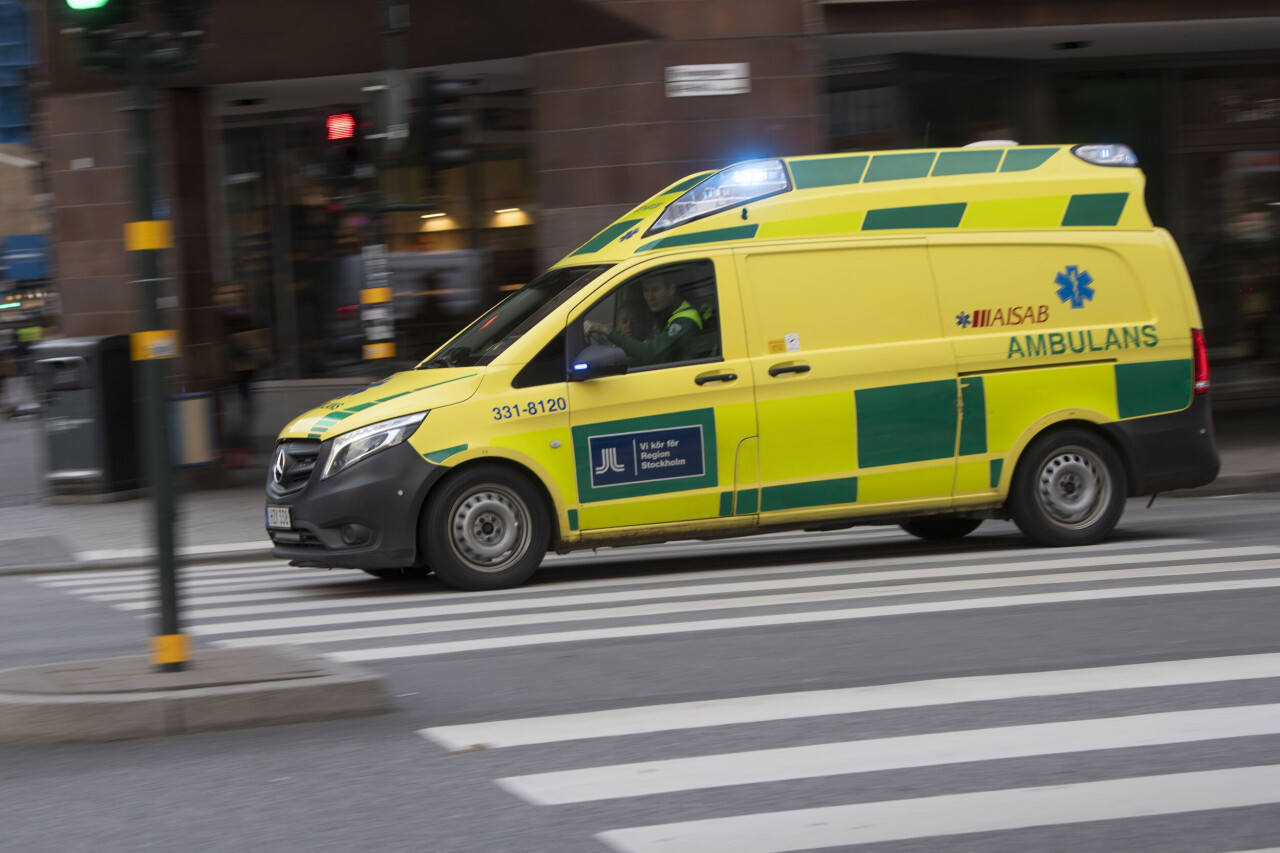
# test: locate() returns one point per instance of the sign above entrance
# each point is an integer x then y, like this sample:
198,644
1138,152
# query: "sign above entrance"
689,81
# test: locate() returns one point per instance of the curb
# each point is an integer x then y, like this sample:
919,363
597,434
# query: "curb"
141,558
224,689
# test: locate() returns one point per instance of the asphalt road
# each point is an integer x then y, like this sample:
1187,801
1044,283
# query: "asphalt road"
850,690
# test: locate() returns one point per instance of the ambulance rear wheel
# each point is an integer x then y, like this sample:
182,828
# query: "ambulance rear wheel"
1069,489
486,527
941,527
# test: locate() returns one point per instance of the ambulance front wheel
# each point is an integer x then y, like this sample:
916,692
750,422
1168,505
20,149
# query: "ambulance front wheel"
1069,489
941,527
486,527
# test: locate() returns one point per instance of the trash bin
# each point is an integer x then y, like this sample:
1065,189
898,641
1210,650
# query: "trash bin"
90,435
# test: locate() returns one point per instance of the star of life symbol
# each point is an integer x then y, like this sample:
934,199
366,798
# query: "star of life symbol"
963,319
609,461
1074,286
628,235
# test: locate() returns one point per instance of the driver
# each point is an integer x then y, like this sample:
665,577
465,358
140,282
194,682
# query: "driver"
675,322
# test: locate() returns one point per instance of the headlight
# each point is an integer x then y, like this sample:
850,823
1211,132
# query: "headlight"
351,448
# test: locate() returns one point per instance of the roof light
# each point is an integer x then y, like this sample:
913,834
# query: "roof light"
1106,155
734,186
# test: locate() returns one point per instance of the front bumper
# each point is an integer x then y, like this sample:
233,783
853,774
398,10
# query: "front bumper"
1173,451
363,518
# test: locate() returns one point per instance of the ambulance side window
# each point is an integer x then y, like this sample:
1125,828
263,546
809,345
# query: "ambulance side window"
545,368
661,317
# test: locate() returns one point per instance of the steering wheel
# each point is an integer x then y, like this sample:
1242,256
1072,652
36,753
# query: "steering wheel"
596,336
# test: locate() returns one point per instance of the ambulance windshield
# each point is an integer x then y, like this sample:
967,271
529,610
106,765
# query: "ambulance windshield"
502,325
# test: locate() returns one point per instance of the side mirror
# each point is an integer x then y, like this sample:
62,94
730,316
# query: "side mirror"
596,361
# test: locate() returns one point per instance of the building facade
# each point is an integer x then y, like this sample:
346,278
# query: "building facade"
578,109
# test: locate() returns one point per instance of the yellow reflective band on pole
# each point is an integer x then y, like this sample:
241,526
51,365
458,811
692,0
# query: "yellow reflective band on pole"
149,234
170,648
379,351
374,295
145,346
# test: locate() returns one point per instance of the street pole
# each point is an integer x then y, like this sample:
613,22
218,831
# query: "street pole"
146,236
142,56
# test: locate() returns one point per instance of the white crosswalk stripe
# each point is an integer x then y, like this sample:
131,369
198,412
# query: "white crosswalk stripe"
985,811
288,600
834,759
554,762
852,700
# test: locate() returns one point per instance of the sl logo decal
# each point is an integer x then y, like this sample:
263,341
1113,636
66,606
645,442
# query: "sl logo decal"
1074,286
609,461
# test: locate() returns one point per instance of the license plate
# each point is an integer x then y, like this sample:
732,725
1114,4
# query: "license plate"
278,518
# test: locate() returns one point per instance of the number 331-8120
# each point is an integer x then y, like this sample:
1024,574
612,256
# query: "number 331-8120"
529,409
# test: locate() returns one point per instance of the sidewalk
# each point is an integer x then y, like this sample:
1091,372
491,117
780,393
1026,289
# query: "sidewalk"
227,523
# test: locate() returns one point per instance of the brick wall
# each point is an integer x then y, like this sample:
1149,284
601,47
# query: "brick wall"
90,179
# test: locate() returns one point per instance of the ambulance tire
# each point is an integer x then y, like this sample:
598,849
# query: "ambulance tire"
485,527
941,527
1069,489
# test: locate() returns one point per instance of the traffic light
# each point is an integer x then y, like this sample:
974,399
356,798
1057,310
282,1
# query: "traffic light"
344,155
94,15
340,126
445,123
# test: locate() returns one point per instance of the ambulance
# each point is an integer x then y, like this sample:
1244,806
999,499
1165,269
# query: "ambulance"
928,338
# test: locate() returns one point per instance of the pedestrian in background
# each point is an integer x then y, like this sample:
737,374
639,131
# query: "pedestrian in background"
248,351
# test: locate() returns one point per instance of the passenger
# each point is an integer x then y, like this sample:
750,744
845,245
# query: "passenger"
678,324
634,321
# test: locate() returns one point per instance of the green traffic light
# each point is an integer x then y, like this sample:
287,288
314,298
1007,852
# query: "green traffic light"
80,5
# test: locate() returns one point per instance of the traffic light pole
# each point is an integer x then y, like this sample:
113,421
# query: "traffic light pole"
142,56
149,235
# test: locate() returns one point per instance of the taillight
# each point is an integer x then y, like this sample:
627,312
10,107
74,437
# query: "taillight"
1200,360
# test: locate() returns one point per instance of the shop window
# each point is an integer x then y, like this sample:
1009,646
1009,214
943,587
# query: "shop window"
298,214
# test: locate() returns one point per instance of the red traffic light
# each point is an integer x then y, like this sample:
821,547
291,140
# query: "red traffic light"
341,126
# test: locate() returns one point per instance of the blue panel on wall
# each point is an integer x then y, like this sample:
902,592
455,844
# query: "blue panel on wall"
26,256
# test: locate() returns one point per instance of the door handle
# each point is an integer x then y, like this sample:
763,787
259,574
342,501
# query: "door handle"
779,369
715,377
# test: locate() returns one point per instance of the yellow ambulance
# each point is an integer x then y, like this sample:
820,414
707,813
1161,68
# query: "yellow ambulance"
929,338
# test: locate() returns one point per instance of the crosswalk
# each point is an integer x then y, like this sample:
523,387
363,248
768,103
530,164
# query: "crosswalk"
351,617
1048,751
914,763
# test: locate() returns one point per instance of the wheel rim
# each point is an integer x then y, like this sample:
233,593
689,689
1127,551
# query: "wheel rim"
1073,487
489,528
